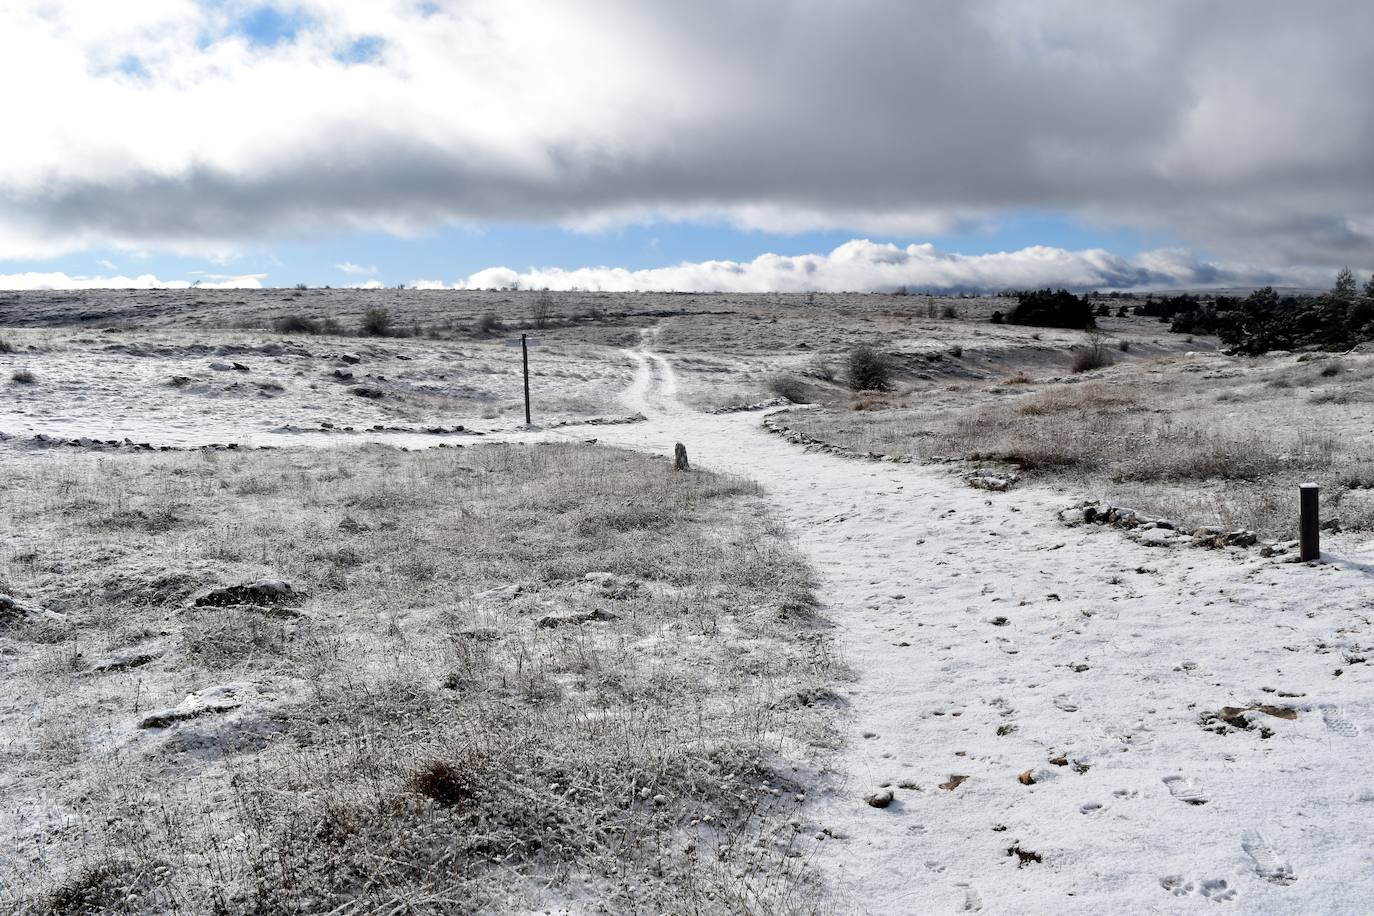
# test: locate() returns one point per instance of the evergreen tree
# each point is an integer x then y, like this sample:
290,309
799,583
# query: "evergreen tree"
1328,325
1344,290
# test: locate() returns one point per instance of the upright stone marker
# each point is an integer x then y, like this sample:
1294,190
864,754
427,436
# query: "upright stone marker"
680,458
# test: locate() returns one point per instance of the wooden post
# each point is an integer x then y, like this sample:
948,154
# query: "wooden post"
1309,525
680,458
525,355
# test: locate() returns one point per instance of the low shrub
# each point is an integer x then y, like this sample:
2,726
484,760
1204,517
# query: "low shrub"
868,370
443,783
542,309
489,324
791,387
23,377
295,324
1094,355
376,323
1049,309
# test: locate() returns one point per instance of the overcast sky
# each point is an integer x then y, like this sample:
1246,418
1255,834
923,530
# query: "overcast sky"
749,144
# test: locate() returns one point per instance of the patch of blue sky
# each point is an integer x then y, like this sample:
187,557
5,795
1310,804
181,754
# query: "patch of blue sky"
268,26
455,253
263,25
132,65
364,50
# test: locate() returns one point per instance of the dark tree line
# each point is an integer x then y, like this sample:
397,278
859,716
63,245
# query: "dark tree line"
1339,319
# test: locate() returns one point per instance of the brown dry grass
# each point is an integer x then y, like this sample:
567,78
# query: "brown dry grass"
405,746
1217,442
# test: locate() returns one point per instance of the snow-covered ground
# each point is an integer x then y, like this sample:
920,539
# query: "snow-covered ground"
990,641
1042,700
188,388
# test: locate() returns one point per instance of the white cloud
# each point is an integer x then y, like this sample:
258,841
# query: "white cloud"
369,284
349,267
884,117
61,281
864,266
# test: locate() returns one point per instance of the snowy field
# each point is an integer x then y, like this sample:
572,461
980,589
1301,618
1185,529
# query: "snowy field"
1031,716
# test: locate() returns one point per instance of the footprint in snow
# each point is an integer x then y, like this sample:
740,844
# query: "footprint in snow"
973,901
1269,865
1217,889
1177,885
1185,790
1066,703
1336,720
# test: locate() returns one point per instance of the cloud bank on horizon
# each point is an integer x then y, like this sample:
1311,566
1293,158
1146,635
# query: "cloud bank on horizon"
184,126
856,266
864,266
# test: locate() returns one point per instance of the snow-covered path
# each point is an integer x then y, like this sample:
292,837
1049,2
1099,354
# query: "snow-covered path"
989,640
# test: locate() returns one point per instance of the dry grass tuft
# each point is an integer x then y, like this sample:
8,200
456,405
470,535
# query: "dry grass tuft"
1094,355
397,740
1226,446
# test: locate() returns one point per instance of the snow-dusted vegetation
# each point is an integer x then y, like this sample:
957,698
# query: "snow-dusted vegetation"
1001,635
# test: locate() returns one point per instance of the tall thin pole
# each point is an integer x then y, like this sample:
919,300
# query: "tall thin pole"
1309,528
525,354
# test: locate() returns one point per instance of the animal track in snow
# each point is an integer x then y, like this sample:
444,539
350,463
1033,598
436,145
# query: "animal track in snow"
973,901
1066,703
1185,790
1336,720
1268,863
1217,889
1177,885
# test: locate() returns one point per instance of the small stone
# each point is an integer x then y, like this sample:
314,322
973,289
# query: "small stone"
501,593
262,593
879,799
211,700
559,620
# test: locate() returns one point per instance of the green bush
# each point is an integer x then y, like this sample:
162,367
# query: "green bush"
1047,309
376,322
868,370
1264,320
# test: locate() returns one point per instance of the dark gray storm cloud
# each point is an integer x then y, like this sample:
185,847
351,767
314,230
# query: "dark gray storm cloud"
1241,127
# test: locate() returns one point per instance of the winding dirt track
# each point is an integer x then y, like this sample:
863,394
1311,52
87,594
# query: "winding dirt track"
989,640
